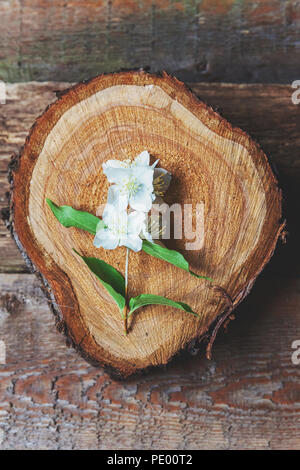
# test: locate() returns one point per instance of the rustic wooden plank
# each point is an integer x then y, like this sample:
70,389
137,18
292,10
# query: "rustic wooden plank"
247,397
24,103
265,111
50,398
199,40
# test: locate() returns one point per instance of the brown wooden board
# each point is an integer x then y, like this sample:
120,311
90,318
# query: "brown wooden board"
197,40
246,397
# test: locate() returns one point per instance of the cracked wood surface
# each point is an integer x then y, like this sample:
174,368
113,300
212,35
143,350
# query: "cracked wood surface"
248,396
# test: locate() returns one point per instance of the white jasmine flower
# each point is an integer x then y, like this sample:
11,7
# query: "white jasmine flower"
138,184
132,182
122,229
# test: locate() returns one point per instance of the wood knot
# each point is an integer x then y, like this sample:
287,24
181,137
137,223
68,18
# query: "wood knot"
283,236
4,214
10,304
60,326
13,165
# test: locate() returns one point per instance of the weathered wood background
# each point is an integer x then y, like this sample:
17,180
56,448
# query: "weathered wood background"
248,396
198,40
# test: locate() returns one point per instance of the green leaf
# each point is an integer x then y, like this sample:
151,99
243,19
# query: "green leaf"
70,217
171,256
110,278
149,299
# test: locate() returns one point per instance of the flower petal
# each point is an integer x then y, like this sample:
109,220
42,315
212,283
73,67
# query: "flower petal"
113,164
117,175
134,242
142,200
135,222
143,159
115,220
107,239
116,198
144,175
109,215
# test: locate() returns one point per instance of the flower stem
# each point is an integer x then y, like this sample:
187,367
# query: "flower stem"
126,286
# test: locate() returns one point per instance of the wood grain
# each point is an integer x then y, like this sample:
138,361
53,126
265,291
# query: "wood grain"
259,109
207,40
246,397
119,116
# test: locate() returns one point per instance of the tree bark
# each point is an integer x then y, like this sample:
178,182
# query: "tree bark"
117,116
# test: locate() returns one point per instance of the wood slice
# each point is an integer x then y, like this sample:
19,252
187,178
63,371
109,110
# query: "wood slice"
118,116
